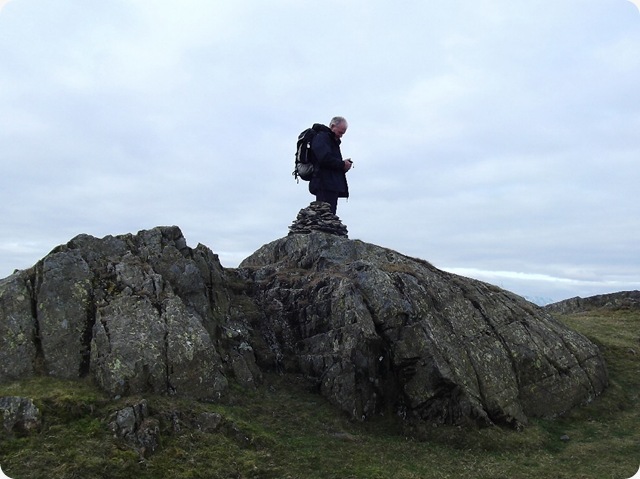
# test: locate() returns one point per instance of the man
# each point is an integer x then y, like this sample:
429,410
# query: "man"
330,180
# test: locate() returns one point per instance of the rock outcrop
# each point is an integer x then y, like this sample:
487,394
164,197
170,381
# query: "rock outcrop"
629,300
19,416
378,332
136,428
136,312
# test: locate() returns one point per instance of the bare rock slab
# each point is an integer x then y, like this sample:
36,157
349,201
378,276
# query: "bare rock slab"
380,332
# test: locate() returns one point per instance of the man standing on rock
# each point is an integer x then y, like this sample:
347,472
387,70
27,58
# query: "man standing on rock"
329,182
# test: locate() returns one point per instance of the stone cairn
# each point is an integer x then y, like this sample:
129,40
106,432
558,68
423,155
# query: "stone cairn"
317,217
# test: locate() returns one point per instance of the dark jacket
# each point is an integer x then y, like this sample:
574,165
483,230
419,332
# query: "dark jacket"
330,174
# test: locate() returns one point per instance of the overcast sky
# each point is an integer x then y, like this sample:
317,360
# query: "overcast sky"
497,139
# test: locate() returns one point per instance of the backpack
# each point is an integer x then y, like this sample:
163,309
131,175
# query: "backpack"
305,159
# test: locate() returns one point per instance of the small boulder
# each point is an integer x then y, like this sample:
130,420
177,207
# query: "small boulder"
136,428
20,416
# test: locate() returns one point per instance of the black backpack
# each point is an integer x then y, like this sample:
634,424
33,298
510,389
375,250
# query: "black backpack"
305,159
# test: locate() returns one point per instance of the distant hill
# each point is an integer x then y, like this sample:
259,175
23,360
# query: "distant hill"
622,300
539,300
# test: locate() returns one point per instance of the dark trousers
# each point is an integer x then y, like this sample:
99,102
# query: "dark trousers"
330,197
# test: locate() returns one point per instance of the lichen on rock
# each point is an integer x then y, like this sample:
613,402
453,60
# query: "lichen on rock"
378,332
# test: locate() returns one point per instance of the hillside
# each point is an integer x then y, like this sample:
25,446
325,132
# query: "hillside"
623,300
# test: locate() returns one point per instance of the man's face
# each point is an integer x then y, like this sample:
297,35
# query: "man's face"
340,129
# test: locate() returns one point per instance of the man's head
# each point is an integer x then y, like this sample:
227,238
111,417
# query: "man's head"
338,126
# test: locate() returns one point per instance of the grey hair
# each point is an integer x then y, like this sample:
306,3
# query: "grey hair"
336,121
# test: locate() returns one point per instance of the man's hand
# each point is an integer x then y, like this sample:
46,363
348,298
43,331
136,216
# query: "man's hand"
347,164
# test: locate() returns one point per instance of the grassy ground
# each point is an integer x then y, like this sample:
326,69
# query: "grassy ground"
285,431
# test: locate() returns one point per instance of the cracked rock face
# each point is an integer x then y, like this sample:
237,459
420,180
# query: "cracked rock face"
378,332
138,313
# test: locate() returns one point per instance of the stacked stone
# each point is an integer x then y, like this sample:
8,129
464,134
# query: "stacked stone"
317,217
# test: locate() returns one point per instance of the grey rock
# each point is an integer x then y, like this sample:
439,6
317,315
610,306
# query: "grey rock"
379,331
208,422
18,349
138,313
376,331
19,416
128,349
63,309
135,427
627,300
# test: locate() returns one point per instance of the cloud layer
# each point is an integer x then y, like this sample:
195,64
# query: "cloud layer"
492,138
